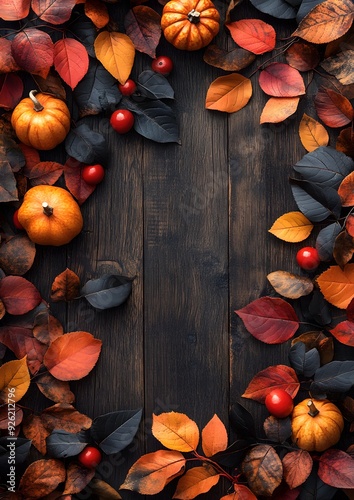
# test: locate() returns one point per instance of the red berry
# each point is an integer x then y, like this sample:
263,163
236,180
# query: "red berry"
122,120
162,65
128,88
15,220
308,258
90,457
279,403
93,174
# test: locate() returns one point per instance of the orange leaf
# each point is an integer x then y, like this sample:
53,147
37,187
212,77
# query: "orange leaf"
292,227
253,34
54,389
14,380
116,52
297,466
14,10
71,60
229,93
196,481
151,472
34,429
241,493
66,286
176,431
214,437
326,22
42,477
312,133
345,142
346,190
337,285
77,478
97,11
334,109
277,109
72,356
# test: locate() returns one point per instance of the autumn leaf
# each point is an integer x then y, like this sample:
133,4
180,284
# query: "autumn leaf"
214,437
18,295
281,80
196,481
43,172
103,490
333,108
176,431
277,429
336,469
75,182
34,429
71,60
345,142
143,26
263,469
66,286
273,377
17,255
241,492
232,60
151,472
11,89
344,332
312,133
297,466
326,22
72,356
6,418
290,285
77,478
343,249
32,50
8,187
14,10
53,11
116,52
270,320
253,34
98,13
65,417
14,380
42,477
303,56
229,93
54,389
337,285
278,109
47,328
341,66
292,227
346,190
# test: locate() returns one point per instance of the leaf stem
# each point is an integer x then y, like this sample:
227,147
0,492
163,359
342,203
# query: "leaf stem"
280,50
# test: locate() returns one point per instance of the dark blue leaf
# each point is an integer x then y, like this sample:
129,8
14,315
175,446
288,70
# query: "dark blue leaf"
154,86
276,8
109,290
85,31
85,145
234,454
325,241
315,489
319,309
97,91
116,430
336,376
305,8
314,202
304,363
325,166
16,448
62,444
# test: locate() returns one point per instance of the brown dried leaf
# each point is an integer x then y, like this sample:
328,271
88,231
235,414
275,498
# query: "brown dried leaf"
341,66
103,490
6,412
263,469
77,477
289,285
346,190
143,26
42,477
66,286
47,328
297,467
303,56
8,188
97,11
66,417
345,142
277,429
33,428
44,172
17,255
55,390
343,248
233,60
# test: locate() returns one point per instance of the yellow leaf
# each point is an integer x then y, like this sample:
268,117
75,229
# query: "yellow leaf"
229,93
14,380
292,227
214,437
116,52
312,133
277,109
337,285
196,481
176,431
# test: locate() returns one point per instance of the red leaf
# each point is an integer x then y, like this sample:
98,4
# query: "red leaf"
271,320
11,89
253,34
22,343
303,56
7,62
333,108
33,51
31,155
44,172
71,60
281,80
273,377
143,26
336,469
18,295
344,333
14,10
297,466
74,181
53,11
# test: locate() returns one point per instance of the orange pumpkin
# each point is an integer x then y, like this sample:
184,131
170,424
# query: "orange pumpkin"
50,215
41,121
316,427
190,24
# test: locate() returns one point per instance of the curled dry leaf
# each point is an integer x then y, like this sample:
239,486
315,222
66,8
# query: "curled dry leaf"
292,227
289,285
278,109
34,429
103,490
229,93
312,133
176,431
66,286
196,481
263,469
214,437
42,477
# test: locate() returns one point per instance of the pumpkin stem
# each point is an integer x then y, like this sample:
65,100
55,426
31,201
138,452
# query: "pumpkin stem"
47,209
193,16
312,409
37,106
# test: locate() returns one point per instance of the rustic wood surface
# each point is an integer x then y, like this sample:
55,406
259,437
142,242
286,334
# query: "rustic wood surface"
190,222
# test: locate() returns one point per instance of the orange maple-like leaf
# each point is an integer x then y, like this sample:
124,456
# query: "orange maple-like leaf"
176,431
312,133
196,481
337,285
214,437
229,93
116,52
292,227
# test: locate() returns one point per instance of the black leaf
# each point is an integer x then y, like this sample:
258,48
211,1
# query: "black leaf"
62,444
315,489
336,376
242,421
304,363
85,145
325,241
319,309
234,454
314,202
13,451
154,86
280,9
110,290
116,430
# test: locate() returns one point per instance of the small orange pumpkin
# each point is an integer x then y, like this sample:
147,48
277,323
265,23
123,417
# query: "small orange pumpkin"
50,215
41,121
190,24
316,428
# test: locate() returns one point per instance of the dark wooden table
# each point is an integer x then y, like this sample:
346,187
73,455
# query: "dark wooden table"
190,222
